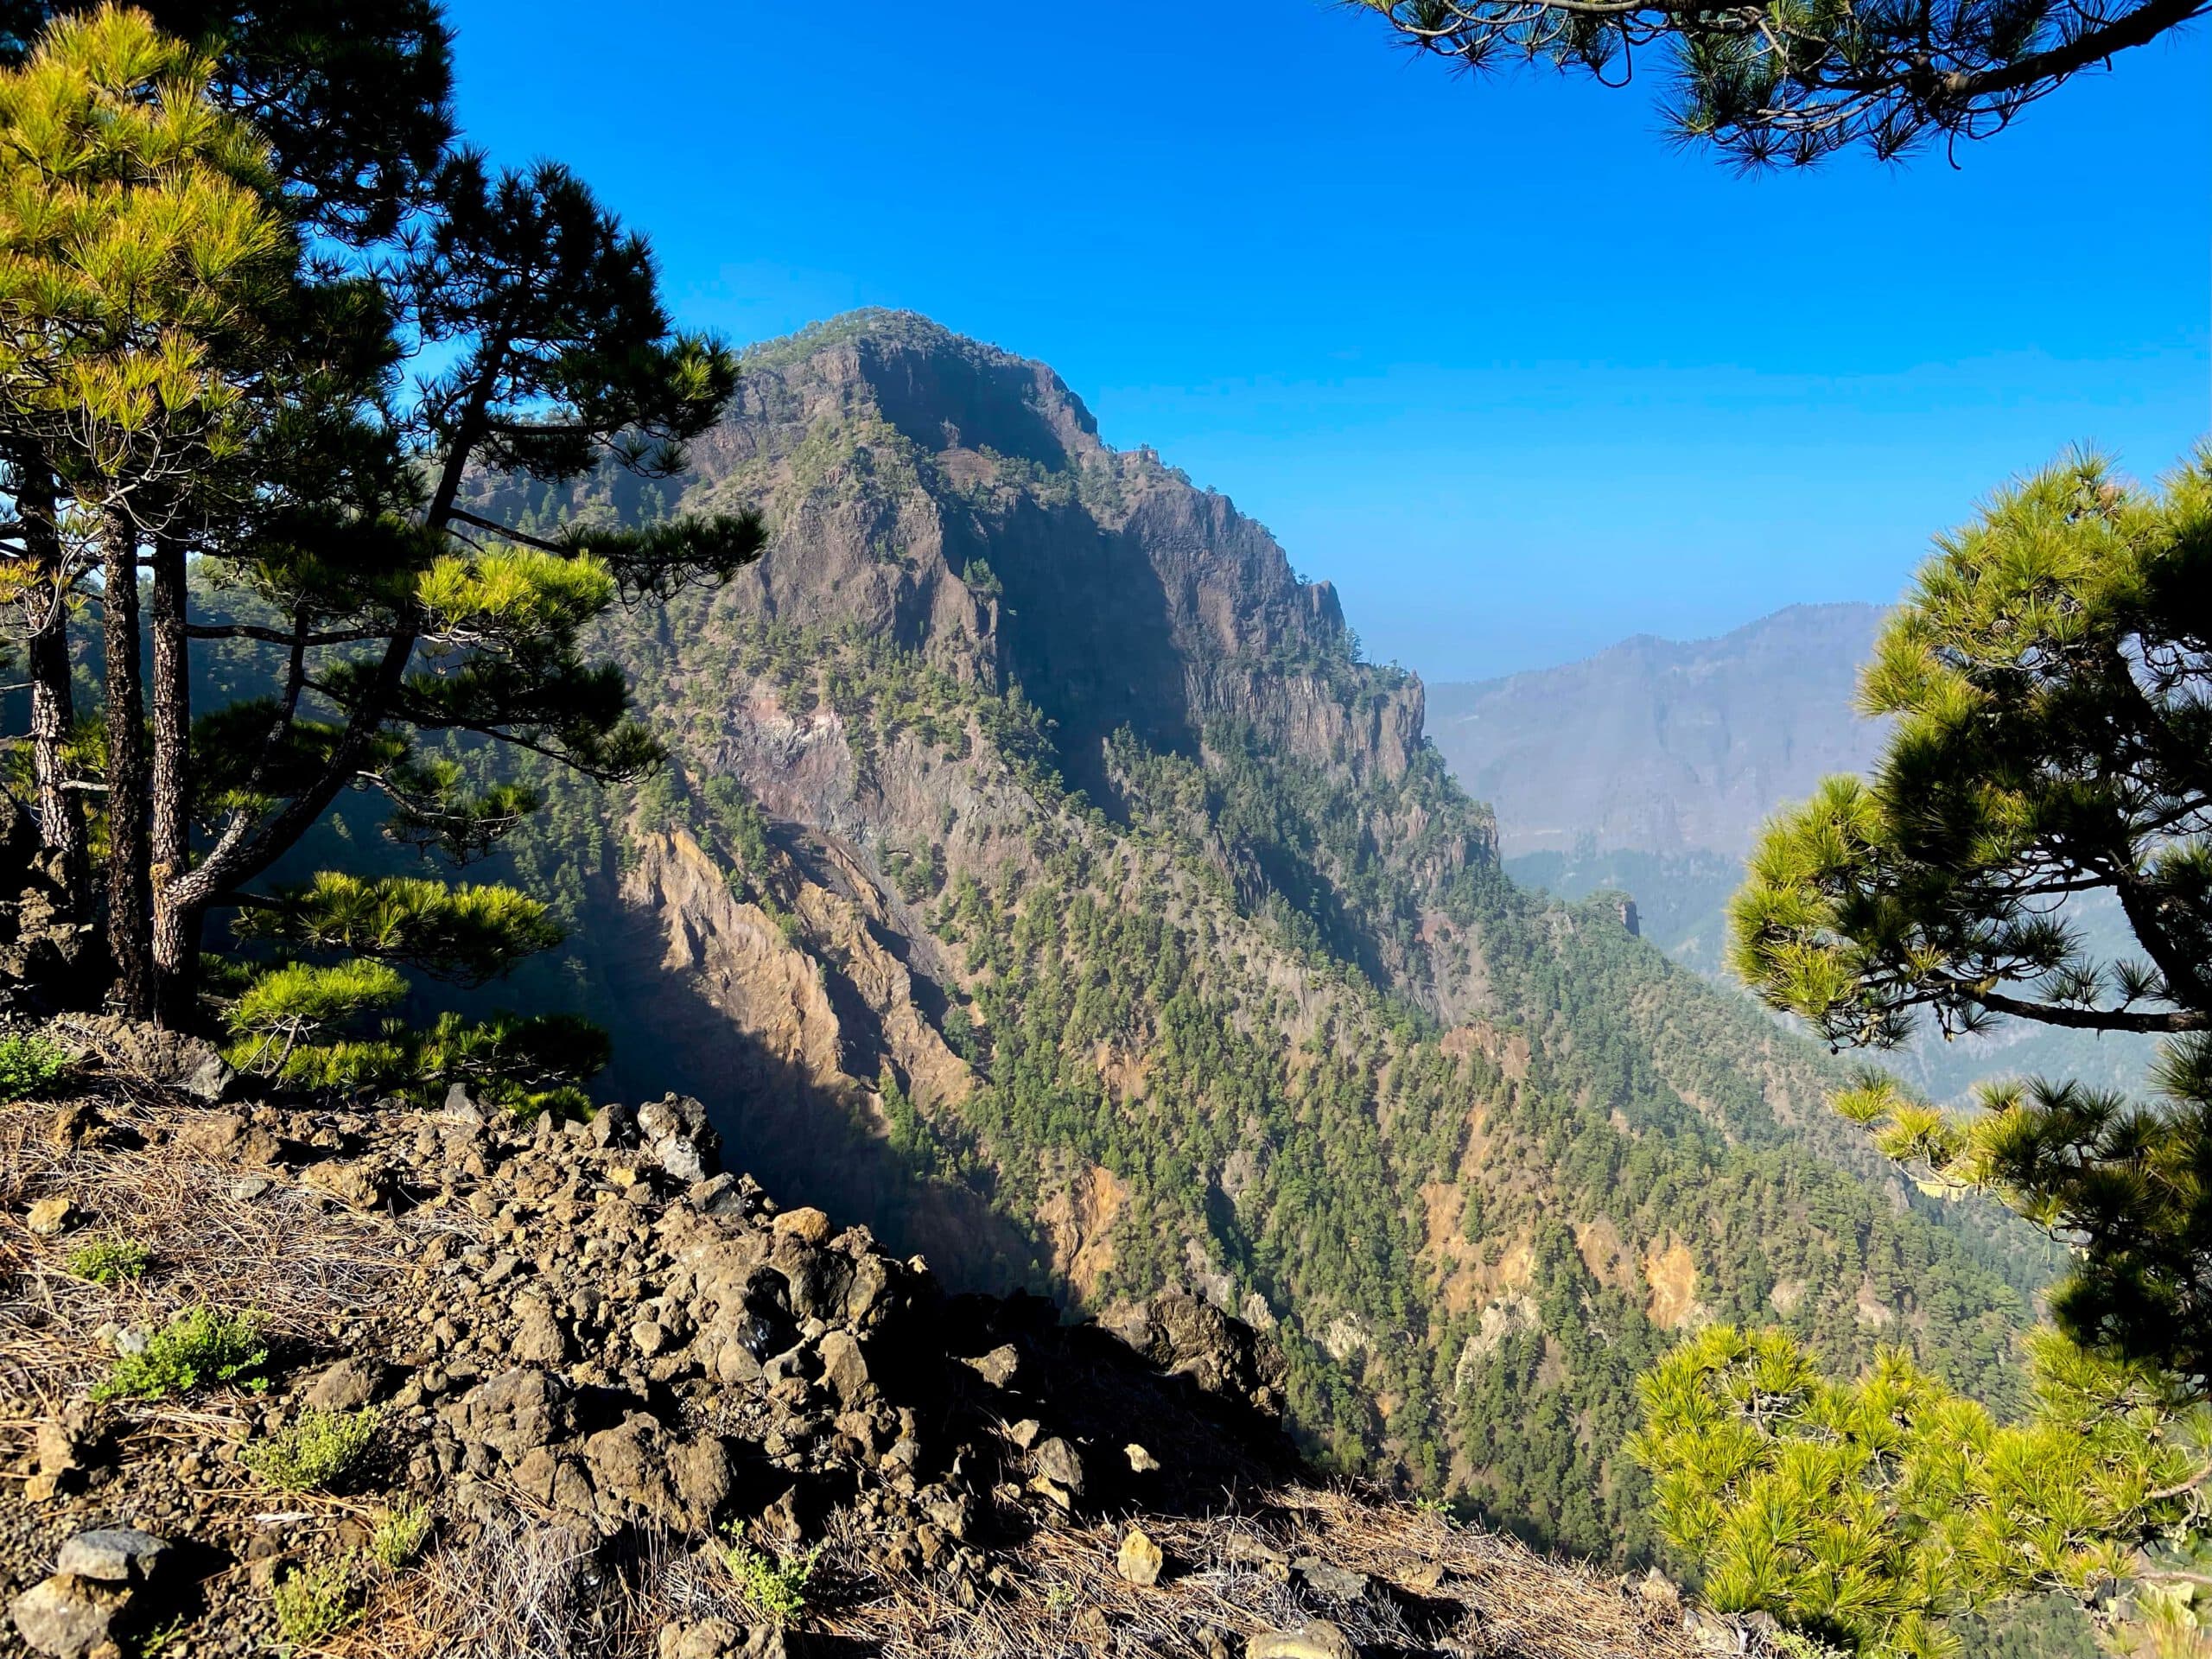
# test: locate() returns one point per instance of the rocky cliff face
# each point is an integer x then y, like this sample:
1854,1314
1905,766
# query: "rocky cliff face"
1039,878
944,496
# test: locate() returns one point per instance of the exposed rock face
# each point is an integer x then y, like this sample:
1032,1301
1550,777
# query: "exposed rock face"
1117,595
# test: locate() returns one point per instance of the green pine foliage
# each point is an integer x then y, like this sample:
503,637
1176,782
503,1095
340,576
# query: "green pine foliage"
1807,81
2047,676
1873,1513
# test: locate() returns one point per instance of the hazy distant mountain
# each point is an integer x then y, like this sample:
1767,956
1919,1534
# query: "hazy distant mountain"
1661,746
1650,768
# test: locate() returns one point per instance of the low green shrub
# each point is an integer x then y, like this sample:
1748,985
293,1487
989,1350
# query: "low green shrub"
110,1261
399,1534
198,1348
314,1450
776,1586
28,1064
316,1600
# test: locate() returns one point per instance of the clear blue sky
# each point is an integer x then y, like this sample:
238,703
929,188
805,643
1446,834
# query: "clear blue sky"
1518,376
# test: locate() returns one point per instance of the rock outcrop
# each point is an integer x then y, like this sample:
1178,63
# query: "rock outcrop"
594,1392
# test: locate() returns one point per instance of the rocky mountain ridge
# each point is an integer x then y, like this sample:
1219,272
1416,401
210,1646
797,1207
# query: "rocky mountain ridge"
1662,745
1039,877
498,1387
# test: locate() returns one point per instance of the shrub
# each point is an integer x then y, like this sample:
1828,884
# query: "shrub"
314,1450
110,1261
316,1600
28,1064
399,1533
195,1350
776,1586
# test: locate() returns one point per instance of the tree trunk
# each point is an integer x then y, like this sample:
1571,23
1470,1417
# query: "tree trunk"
176,928
53,705
129,902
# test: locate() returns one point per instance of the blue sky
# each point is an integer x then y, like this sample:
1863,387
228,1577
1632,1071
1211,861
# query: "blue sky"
1518,376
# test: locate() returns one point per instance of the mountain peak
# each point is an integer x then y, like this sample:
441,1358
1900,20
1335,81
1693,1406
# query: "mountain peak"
941,390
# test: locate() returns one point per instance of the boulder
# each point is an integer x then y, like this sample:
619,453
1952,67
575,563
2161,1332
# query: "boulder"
1140,1559
1326,1579
676,1133
359,1185
1318,1640
514,1412
68,1617
845,1367
807,1225
640,1473
1189,1337
169,1059
348,1385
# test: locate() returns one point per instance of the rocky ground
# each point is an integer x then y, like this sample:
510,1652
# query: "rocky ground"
381,1381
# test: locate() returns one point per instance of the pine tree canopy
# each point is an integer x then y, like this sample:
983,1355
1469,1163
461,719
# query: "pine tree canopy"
1868,1513
1793,83
2050,680
138,251
219,244
353,98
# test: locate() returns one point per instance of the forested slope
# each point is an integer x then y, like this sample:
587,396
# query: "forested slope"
1039,875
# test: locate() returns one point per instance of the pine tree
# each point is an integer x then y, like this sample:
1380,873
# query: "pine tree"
138,251
324,522
352,99
2049,677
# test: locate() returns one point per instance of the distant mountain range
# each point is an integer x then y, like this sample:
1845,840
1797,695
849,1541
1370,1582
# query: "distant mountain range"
1655,745
1650,768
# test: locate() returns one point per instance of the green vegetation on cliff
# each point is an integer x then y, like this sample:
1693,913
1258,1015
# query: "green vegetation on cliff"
1063,892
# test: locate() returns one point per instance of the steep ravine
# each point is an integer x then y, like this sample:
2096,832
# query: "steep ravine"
1040,877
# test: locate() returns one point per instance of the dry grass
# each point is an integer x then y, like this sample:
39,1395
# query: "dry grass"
1461,1589
318,1275
533,1590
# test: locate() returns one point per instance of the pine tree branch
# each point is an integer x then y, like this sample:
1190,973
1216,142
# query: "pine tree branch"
274,637
509,533
2050,1013
2138,27
2179,1487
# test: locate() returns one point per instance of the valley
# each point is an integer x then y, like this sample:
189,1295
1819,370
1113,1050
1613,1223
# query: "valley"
1040,876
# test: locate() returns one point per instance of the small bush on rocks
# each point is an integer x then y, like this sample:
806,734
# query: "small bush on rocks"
110,1261
28,1064
399,1534
195,1350
316,1600
776,1586
314,1450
